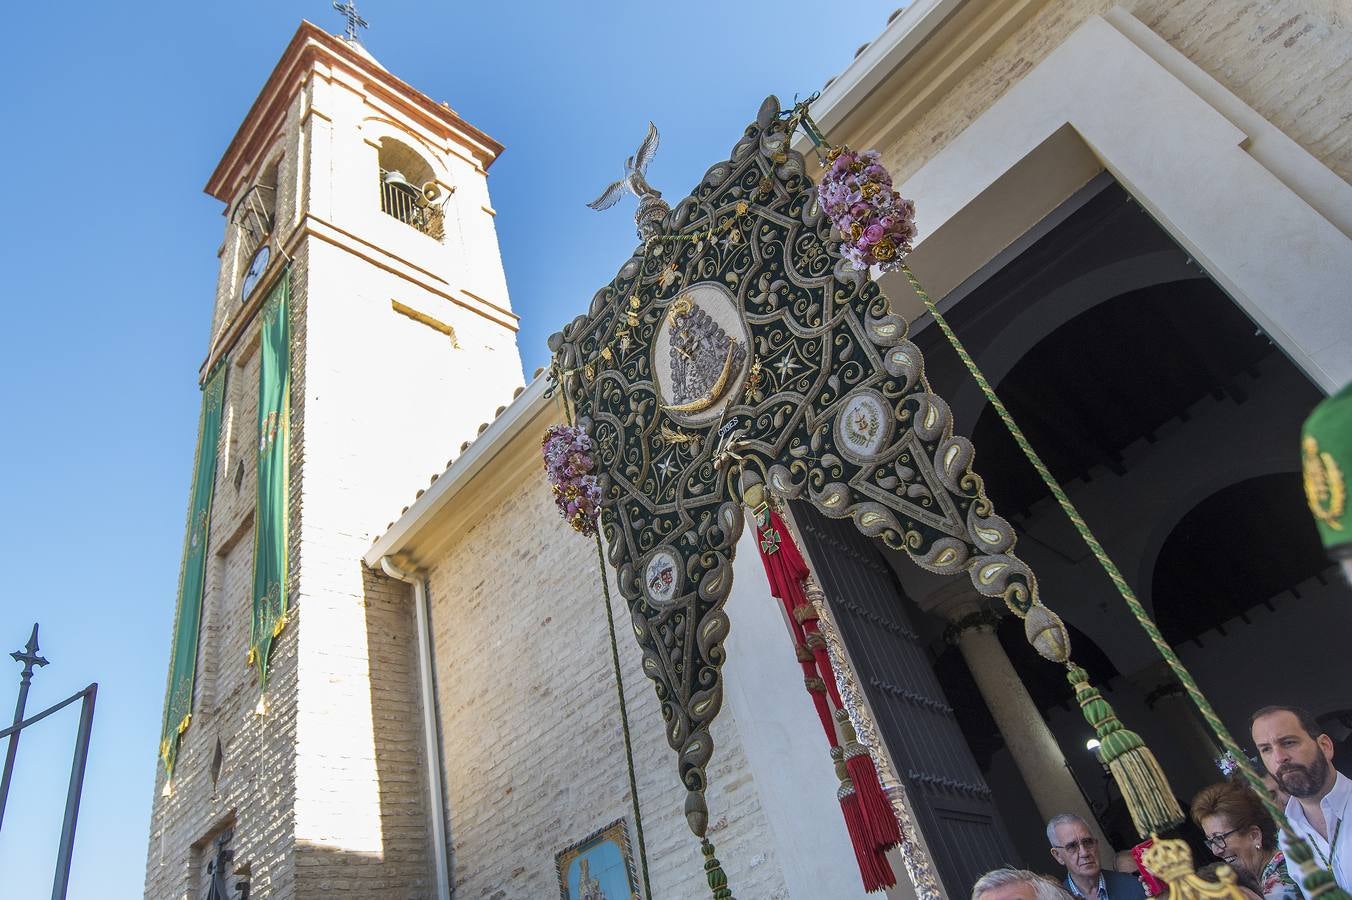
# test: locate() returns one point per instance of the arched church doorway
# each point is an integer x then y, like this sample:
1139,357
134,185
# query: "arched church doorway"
1173,424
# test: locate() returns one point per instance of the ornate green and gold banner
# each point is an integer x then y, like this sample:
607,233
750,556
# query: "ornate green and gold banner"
740,348
270,518
192,574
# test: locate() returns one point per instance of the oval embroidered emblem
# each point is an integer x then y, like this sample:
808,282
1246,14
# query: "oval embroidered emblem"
661,577
863,426
700,353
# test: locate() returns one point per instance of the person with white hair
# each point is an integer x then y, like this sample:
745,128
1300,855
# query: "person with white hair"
1017,884
1075,848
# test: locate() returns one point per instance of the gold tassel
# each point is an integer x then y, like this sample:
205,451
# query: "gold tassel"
1134,768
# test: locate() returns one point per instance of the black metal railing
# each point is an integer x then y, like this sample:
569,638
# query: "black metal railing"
407,204
254,216
30,657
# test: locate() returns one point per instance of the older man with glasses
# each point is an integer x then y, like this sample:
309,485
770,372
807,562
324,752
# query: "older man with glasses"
1076,849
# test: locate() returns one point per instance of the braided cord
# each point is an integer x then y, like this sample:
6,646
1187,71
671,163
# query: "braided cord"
1142,617
624,719
619,675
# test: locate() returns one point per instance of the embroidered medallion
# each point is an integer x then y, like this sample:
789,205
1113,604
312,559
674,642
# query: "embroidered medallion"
660,578
700,353
863,427
267,432
199,527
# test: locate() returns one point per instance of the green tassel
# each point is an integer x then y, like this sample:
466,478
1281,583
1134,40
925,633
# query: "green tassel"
1134,768
713,869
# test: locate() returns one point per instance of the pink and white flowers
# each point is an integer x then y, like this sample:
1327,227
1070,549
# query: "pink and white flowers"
876,225
569,464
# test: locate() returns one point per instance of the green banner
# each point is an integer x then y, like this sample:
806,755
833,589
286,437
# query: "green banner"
192,573
274,443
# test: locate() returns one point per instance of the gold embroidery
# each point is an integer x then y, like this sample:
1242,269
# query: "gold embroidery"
1325,490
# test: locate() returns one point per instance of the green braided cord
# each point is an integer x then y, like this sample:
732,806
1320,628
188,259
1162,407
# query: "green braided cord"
624,721
1297,844
718,881
619,685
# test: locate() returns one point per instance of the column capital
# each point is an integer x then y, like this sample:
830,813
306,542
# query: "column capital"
1165,690
982,621
959,604
1157,682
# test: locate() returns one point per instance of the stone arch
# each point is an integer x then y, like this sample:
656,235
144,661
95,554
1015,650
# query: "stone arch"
396,155
1237,548
1033,324
380,131
1182,502
1128,387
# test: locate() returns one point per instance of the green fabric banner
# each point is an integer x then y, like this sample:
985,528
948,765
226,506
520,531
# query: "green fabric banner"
274,443
192,573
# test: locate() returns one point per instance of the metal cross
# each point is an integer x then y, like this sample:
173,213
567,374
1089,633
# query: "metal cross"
354,21
30,658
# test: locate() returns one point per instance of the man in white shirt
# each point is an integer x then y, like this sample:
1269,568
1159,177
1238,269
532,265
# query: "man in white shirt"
1300,757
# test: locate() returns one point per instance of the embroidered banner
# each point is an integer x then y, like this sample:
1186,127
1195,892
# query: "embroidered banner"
270,517
192,573
737,347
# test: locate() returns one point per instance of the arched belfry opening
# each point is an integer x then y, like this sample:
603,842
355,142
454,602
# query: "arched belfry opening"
408,188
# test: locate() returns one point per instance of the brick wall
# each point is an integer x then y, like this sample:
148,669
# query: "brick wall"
1286,58
254,791
532,744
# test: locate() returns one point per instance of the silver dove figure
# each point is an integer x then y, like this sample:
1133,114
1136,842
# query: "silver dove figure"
651,207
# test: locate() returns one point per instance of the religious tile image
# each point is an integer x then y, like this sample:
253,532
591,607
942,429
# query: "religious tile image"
598,867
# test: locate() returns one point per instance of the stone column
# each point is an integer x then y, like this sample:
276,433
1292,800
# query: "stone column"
1035,751
1168,700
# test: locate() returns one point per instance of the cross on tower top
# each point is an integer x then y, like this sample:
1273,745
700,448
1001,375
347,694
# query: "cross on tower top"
29,657
354,21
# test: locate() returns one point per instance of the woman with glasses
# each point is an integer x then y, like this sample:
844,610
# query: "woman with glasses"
1239,831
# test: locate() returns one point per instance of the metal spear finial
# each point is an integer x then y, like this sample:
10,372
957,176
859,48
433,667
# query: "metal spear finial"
30,658
29,655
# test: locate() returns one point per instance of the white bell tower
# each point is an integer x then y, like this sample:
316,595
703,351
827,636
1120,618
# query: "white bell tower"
372,199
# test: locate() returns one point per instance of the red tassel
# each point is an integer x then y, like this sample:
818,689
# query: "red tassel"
869,819
878,814
874,869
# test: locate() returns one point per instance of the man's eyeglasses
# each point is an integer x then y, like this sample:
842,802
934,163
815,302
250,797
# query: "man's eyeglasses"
1217,841
1089,844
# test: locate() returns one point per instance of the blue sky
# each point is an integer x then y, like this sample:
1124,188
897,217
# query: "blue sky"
115,115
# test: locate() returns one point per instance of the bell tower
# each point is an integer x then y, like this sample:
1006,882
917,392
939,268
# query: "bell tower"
358,207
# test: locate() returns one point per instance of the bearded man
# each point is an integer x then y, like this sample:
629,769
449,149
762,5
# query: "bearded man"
1299,755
